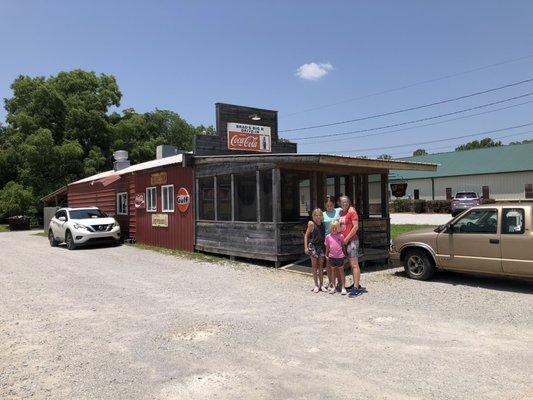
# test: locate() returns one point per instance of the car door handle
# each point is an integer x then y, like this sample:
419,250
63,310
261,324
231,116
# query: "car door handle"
494,241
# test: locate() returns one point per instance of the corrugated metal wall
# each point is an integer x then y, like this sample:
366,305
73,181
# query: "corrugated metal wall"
105,198
180,231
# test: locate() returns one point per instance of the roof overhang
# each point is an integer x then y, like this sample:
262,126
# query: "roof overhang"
62,191
325,160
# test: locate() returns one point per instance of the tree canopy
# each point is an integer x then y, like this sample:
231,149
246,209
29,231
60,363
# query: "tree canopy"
64,127
479,144
419,152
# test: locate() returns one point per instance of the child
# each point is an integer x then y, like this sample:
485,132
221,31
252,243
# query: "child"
335,253
314,247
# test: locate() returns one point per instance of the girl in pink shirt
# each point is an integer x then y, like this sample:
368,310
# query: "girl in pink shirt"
335,253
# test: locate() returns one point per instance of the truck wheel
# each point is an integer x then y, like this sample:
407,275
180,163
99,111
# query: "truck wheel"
418,265
69,240
52,239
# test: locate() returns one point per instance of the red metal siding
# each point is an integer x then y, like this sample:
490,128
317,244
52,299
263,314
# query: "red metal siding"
180,231
105,198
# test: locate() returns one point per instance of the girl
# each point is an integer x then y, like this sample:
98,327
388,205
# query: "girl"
331,214
314,247
335,253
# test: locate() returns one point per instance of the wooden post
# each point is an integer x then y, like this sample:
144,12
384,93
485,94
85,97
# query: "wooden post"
258,194
337,190
358,198
197,200
276,208
366,200
215,197
384,195
232,197
323,189
348,184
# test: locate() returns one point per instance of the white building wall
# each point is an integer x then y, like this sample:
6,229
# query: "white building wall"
505,186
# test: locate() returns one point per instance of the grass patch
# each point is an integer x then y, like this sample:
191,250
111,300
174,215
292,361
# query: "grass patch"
4,228
182,254
43,234
396,230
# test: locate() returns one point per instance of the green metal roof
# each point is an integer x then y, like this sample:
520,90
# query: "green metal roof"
492,160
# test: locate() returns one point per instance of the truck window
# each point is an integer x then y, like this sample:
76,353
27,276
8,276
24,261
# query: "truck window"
513,221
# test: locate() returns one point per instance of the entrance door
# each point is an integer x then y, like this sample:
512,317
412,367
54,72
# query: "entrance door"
517,242
475,243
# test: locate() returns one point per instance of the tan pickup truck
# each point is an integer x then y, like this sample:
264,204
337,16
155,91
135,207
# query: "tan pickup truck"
491,239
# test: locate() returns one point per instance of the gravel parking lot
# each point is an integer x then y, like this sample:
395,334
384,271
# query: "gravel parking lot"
128,323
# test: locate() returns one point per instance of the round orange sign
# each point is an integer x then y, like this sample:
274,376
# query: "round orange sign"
183,199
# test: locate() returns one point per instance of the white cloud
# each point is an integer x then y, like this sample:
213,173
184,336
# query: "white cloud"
313,71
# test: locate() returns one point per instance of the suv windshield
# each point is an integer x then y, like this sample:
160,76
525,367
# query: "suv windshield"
84,214
466,195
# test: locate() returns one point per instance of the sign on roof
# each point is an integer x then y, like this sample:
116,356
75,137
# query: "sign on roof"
246,137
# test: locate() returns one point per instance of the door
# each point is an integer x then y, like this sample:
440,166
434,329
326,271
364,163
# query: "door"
474,245
517,242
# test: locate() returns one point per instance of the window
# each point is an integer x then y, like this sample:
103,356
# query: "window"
448,193
87,214
478,221
206,199
529,191
122,203
245,197
167,198
295,195
151,199
224,198
417,194
513,221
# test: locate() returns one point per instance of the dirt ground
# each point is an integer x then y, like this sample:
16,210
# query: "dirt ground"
128,323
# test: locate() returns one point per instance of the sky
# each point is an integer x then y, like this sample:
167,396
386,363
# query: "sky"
315,62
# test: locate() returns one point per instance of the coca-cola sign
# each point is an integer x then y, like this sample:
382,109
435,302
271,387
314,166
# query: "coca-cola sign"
245,137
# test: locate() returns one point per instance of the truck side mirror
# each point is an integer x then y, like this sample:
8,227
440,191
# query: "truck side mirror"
451,228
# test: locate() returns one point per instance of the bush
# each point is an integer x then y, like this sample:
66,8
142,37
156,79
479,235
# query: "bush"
439,206
401,205
15,200
19,223
419,206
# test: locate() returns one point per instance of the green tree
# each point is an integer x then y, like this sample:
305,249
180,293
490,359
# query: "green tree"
419,152
479,144
522,142
16,200
385,157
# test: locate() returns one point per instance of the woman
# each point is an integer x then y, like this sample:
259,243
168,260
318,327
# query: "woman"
350,224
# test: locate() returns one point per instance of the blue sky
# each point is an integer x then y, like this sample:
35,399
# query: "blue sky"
187,55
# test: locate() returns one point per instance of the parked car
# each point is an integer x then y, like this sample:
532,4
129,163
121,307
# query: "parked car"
490,239
79,226
463,201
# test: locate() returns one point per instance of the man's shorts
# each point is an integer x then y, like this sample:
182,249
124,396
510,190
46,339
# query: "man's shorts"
352,249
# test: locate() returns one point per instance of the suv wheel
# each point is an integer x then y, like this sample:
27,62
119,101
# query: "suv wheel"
418,265
52,239
69,240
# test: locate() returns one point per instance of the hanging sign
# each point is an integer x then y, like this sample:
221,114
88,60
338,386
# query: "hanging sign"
139,200
245,137
160,220
158,178
183,199
398,189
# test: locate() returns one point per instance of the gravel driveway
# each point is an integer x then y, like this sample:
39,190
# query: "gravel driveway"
128,323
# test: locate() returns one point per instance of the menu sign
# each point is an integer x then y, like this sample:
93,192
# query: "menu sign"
158,178
160,220
245,137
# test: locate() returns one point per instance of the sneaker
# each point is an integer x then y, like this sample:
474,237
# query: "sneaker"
315,290
354,293
343,291
332,290
349,287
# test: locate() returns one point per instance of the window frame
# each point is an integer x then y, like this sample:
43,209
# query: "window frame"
479,233
150,188
171,199
119,194
504,225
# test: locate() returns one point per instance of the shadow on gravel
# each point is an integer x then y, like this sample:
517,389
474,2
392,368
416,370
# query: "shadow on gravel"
506,284
90,246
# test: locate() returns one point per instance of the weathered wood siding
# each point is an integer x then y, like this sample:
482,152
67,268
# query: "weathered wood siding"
374,233
291,236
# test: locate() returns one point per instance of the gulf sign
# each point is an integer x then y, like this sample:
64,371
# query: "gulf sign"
183,199
245,137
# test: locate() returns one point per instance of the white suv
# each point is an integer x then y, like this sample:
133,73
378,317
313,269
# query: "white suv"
78,226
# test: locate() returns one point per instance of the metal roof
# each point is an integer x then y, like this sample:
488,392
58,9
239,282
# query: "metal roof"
177,159
492,160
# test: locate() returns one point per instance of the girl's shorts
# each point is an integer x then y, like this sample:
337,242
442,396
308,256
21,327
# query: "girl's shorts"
316,251
336,262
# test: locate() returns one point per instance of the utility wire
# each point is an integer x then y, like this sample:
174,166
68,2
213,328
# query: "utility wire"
436,141
408,122
408,86
423,125
411,108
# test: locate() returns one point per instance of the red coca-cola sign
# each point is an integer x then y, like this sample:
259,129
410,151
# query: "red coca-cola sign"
246,137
